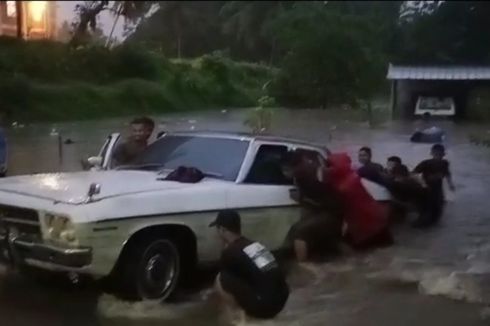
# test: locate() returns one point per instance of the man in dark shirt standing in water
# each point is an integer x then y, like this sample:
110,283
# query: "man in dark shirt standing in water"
433,171
141,130
249,276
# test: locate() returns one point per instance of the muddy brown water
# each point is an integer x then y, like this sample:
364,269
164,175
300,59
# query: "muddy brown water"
432,277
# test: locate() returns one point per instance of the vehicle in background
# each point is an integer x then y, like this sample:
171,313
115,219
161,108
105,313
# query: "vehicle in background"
435,106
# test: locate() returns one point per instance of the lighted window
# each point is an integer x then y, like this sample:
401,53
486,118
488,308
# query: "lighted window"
11,9
38,9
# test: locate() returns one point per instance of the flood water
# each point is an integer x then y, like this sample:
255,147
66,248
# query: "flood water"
429,277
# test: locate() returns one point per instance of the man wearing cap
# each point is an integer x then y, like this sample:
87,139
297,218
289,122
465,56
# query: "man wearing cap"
250,276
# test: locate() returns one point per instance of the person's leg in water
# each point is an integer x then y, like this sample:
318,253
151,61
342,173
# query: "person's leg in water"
300,250
438,207
233,312
431,208
424,207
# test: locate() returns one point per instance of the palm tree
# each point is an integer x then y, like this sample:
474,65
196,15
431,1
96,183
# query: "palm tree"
177,13
89,11
132,11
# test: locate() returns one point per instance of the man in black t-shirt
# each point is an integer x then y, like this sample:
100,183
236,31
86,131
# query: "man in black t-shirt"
250,276
433,171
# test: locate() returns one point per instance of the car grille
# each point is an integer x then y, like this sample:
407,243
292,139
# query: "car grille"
25,221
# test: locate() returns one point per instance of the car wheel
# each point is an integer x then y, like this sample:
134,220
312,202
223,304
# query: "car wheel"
151,270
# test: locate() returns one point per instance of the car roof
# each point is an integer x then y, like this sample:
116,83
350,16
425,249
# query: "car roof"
247,136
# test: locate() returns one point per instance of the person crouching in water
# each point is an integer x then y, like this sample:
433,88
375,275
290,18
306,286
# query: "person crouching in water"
250,278
318,233
433,171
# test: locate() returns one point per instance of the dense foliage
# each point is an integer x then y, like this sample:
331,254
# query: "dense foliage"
328,51
52,81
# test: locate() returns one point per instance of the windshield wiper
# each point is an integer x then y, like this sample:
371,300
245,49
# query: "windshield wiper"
146,166
206,174
213,175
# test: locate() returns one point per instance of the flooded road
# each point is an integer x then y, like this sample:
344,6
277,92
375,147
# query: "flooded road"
430,277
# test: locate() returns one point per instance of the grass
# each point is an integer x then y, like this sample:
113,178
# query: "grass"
81,100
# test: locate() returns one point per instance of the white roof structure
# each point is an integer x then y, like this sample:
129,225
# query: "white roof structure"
438,72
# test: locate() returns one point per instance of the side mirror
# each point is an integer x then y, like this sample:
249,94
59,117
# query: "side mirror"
95,161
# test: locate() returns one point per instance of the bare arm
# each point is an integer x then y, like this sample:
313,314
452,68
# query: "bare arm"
449,178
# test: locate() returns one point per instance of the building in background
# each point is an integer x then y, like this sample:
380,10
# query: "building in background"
28,19
449,88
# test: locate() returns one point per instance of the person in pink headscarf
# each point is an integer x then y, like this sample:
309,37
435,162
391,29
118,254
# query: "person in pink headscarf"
367,220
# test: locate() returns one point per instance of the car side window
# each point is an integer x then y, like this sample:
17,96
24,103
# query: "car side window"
267,166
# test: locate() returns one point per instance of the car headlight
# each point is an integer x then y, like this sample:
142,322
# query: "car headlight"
60,228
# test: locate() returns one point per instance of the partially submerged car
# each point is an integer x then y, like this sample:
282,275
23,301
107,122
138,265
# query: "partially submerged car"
145,232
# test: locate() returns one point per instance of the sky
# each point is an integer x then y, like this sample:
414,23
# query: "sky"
66,12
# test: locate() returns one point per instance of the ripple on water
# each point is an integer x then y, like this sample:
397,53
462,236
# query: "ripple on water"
471,284
114,308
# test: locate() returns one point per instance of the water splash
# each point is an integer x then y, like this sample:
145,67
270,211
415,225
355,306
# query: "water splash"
111,307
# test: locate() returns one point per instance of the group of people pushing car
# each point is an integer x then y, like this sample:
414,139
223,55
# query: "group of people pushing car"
335,208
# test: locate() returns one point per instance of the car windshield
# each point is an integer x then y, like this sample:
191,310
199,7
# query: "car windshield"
436,104
218,157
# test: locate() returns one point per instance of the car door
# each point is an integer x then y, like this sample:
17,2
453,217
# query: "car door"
263,197
107,150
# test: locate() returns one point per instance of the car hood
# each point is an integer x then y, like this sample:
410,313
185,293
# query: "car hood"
72,188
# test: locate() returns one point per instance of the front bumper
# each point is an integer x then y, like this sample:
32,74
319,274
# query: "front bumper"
19,251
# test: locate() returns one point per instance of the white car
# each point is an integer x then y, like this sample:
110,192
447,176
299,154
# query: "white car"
145,232
435,106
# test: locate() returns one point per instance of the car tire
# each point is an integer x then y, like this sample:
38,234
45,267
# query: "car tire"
150,270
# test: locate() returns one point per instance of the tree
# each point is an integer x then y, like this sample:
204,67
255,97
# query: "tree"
132,11
88,12
20,13
453,32
248,22
331,58
65,32
182,28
